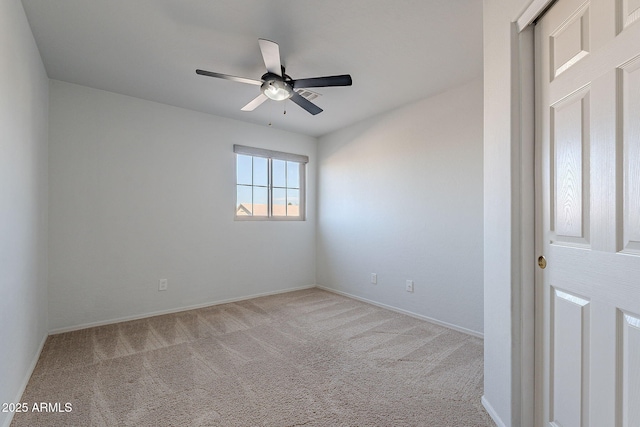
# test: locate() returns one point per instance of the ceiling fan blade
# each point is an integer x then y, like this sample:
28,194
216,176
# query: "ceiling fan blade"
305,103
255,103
341,80
271,55
228,77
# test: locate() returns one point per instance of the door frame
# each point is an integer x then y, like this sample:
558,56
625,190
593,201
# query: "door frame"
524,168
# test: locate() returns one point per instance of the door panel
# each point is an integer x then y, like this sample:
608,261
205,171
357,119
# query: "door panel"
629,11
570,329
569,170
570,42
629,372
588,214
629,87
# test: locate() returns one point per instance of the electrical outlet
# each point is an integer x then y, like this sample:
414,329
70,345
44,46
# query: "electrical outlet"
163,284
374,278
409,285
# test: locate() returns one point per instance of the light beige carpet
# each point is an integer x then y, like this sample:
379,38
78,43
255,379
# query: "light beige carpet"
308,358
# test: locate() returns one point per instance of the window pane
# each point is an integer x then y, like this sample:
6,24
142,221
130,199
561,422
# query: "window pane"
268,187
293,202
244,207
279,202
243,169
293,175
260,171
278,168
260,201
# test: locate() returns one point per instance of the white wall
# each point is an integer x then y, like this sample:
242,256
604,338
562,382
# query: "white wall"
141,191
400,195
503,393
23,202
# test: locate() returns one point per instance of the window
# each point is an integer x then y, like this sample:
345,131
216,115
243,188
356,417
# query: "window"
269,184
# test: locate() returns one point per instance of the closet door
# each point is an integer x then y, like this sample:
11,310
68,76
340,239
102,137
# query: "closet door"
588,194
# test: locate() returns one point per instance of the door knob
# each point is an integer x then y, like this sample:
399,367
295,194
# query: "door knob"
542,262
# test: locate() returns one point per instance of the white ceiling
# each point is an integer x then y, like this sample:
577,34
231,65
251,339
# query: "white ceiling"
397,51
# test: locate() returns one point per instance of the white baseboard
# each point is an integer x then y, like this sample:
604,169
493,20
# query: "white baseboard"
492,412
408,313
172,310
25,380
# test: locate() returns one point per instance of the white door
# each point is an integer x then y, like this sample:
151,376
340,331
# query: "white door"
588,193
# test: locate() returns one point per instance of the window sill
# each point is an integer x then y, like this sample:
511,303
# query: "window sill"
267,218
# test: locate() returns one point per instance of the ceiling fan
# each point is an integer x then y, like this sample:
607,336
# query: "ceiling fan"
277,85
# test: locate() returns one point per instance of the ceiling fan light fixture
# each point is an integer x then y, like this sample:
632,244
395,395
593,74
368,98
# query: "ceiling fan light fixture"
276,90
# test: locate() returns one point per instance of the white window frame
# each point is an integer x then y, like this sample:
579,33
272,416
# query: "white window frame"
273,155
